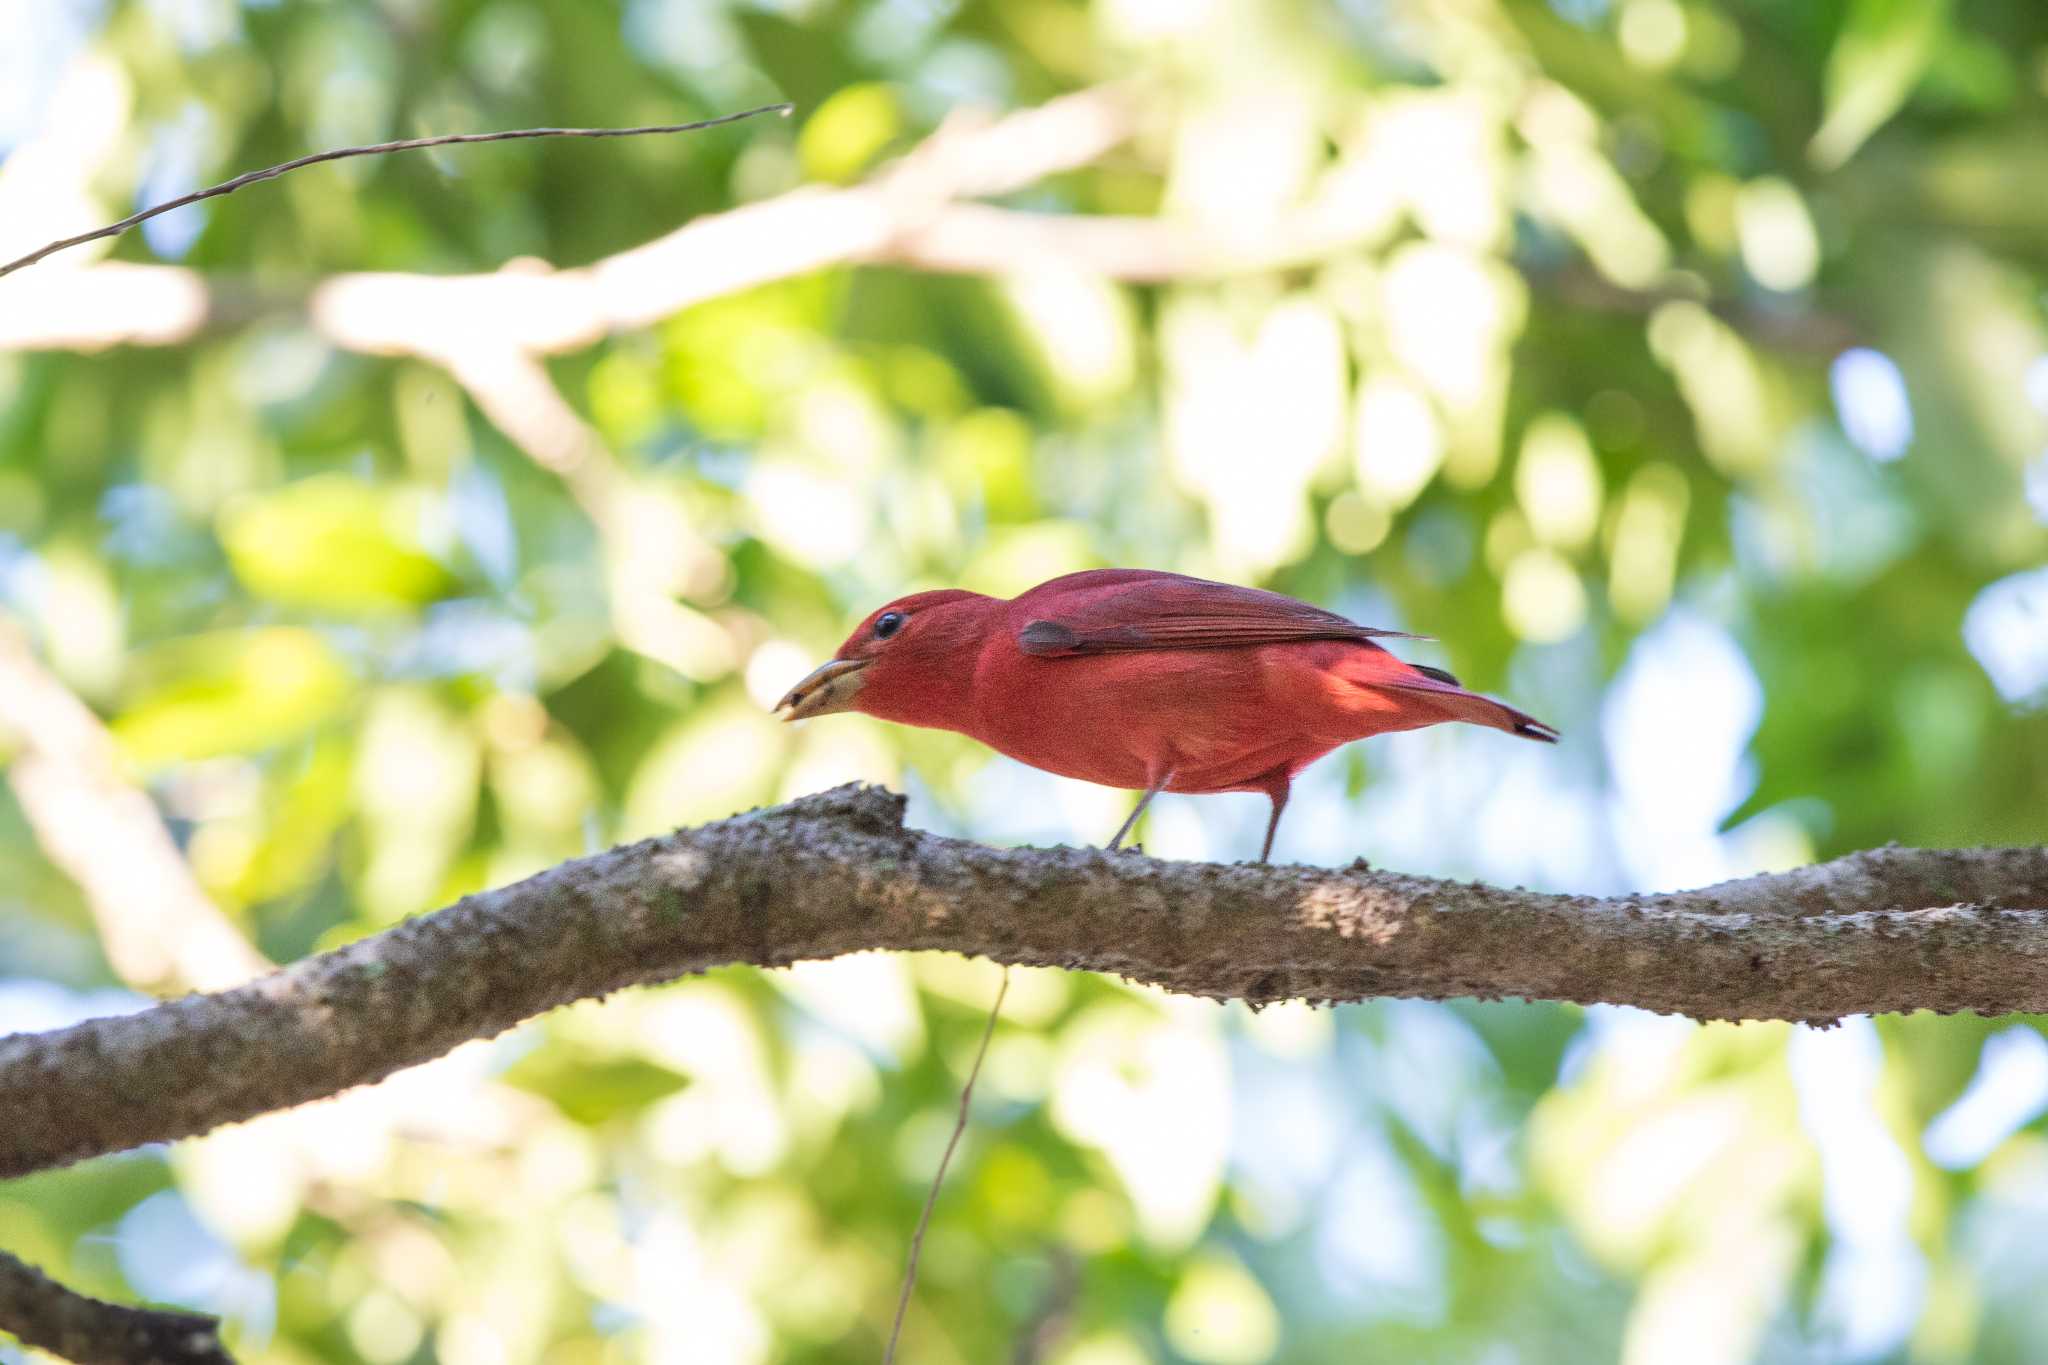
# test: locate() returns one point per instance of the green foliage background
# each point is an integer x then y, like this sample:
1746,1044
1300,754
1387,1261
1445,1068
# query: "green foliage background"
1575,381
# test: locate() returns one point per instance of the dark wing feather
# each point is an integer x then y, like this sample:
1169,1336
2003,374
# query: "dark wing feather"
1115,611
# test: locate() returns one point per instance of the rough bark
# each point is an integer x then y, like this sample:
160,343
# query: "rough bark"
1890,929
90,1331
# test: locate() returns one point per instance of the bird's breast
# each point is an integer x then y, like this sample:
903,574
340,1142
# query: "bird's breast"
1218,719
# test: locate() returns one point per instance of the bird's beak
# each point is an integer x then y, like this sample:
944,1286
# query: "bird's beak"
831,686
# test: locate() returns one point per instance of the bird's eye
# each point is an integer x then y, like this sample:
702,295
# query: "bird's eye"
887,624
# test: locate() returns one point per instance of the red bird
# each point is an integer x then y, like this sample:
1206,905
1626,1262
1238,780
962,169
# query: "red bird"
1147,681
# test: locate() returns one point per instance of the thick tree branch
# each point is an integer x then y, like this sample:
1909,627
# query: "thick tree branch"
1890,929
89,1331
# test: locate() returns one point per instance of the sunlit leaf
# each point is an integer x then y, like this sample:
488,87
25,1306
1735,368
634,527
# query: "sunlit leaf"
848,131
230,692
592,1090
1879,55
336,543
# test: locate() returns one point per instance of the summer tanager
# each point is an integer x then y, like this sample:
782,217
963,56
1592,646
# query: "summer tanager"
1147,681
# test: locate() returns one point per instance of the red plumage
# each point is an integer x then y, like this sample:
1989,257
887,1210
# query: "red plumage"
1142,680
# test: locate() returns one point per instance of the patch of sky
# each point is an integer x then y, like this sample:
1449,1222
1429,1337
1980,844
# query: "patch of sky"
1875,1275
31,1005
42,38
504,46
1431,1068
353,84
2006,629
280,364
1456,800
1620,1026
2037,383
466,638
170,1256
176,156
1009,803
1677,723
726,466
198,25
1584,13
17,563
483,522
144,525
893,32
960,72
1871,402
696,40
24,578
1999,1236
1853,520
2036,476
1286,1133
2009,1091
1391,34
1376,1241
2035,481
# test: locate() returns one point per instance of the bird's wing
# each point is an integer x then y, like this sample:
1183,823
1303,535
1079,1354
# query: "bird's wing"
1116,611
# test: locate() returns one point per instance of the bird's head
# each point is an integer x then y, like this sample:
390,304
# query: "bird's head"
910,661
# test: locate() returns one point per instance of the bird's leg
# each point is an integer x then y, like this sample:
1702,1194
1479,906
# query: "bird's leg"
1278,794
1158,785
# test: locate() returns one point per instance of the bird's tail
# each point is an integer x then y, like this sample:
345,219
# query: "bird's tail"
1445,692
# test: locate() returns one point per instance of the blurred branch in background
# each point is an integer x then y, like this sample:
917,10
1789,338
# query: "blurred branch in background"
489,331
534,307
89,1331
1886,930
908,215
160,931
652,552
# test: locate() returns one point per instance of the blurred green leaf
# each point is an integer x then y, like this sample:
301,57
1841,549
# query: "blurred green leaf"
1878,57
230,692
336,543
591,1090
849,131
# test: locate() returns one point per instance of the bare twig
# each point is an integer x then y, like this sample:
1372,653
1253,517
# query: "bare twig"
90,1331
409,144
939,1176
